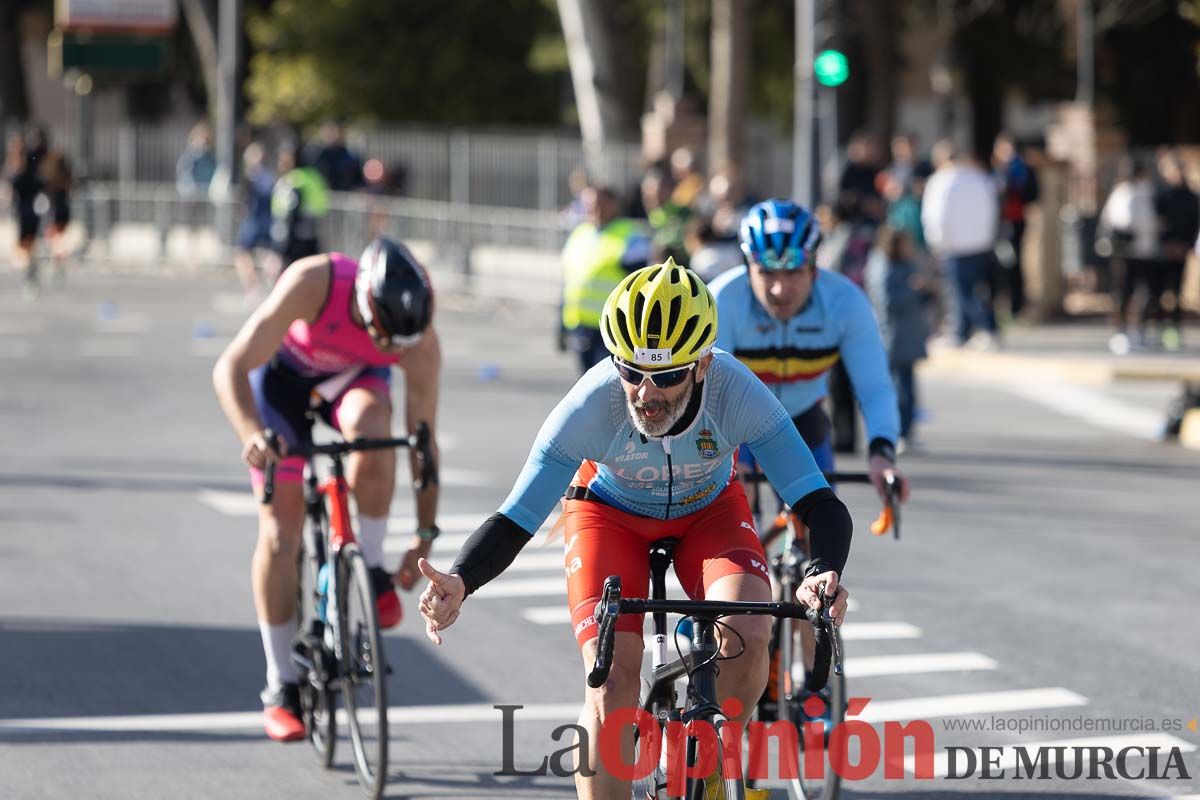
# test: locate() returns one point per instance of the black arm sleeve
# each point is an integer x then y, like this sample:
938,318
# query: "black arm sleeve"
489,551
830,530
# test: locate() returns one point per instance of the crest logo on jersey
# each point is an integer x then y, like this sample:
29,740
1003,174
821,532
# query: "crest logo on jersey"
706,444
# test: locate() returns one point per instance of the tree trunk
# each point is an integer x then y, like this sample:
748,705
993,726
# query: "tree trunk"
14,101
730,85
201,18
878,24
596,77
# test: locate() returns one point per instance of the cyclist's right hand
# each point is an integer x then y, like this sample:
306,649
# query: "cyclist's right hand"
441,600
256,452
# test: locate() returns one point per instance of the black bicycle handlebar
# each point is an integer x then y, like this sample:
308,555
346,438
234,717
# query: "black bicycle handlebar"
612,605
418,442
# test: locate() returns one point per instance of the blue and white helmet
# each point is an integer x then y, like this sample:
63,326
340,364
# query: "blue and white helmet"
779,235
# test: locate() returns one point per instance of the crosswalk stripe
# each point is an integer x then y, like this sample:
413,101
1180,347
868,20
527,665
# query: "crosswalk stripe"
1008,754
484,712
957,705
524,587
208,347
244,504
128,322
864,631
547,615
15,348
109,348
239,720
916,663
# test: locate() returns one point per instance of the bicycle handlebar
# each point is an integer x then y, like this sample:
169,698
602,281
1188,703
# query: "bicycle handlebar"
612,605
889,517
418,442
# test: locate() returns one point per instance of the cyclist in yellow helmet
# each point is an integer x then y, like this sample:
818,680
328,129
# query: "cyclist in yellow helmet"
642,449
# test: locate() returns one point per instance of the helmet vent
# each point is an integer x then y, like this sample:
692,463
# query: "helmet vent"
702,338
623,327
639,306
673,317
688,328
654,326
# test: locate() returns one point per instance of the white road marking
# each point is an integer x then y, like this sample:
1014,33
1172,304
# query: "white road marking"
15,348
863,631
917,663
413,715
249,720
244,504
524,587
209,347
1008,755
110,348
22,325
957,705
1092,406
128,322
547,615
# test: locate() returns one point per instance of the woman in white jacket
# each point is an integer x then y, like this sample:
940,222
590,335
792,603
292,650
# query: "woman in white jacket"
1129,224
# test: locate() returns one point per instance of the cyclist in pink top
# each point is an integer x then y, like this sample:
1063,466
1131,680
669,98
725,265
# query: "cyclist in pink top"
322,344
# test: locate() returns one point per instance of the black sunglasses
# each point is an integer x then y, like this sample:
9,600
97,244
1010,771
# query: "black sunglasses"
663,378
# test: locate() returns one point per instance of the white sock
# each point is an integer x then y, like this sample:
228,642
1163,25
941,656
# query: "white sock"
371,533
277,646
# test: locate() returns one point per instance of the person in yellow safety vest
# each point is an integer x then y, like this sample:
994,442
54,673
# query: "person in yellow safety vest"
298,202
599,253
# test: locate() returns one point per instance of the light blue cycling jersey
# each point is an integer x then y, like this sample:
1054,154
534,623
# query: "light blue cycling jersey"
793,357
666,477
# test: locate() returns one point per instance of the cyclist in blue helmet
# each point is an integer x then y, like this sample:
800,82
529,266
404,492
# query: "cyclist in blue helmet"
790,322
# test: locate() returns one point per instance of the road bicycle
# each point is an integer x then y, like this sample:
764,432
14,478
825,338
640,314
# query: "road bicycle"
786,542
699,706
339,647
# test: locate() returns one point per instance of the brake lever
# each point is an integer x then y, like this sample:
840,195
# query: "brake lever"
831,626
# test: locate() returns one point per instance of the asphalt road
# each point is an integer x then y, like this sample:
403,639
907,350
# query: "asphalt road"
1047,574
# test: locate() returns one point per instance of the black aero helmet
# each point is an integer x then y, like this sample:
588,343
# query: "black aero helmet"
393,291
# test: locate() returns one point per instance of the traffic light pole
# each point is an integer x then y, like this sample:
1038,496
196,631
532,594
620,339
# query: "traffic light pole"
804,170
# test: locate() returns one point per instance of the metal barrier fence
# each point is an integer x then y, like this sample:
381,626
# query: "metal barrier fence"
496,252
517,170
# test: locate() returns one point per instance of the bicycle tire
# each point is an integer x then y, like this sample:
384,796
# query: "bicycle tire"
792,678
724,788
363,671
318,703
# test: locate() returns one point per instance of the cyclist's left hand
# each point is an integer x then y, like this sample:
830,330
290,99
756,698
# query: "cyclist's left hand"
807,594
879,468
408,574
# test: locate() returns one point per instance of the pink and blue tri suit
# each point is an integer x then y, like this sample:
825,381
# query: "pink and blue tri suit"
314,368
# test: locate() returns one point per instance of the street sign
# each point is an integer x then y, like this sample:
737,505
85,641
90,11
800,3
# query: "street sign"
145,17
107,55
831,68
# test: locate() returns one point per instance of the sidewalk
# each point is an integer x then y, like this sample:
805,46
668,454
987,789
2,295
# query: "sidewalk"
1072,353
1074,350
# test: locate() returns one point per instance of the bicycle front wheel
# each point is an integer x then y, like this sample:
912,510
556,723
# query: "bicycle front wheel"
363,670
718,786
317,700
796,652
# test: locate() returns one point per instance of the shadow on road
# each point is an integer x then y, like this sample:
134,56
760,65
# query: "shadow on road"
65,668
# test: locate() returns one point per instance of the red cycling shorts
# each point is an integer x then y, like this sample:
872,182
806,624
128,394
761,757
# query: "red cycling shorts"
716,541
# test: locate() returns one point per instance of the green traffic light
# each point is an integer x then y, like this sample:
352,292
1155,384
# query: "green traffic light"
831,68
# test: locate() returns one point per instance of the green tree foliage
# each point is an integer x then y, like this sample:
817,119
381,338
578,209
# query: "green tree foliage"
460,63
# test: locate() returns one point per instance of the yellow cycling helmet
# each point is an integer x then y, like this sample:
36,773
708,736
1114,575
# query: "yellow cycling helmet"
660,316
